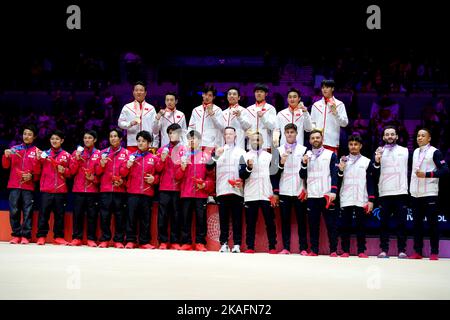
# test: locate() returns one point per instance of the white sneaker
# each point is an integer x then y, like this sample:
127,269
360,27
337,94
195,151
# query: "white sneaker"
224,248
211,200
236,249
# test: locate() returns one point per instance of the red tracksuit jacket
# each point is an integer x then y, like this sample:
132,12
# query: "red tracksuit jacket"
22,160
144,163
87,163
51,180
195,169
111,171
168,182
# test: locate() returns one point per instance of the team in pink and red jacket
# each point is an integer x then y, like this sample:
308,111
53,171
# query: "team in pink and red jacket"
85,189
113,197
22,160
196,183
24,172
141,171
169,189
111,172
195,170
145,163
53,181
55,170
89,160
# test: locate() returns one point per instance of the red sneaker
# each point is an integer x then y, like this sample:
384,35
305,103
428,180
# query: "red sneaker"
363,255
130,245
118,245
304,253
415,255
147,246
186,247
91,243
249,251
312,254
434,256
273,251
164,246
40,241
345,255
60,241
24,241
75,243
175,246
334,255
200,247
103,244
15,240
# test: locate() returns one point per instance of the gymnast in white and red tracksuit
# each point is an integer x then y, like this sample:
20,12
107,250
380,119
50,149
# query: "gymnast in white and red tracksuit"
291,188
137,116
85,189
56,164
229,189
207,120
24,173
319,168
141,171
391,169
356,194
169,189
428,166
329,115
259,169
196,183
113,196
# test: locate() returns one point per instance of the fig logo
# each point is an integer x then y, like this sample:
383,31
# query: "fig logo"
214,226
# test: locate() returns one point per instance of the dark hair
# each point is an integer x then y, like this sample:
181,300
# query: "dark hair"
234,88
194,133
170,93
355,137
316,131
294,90
118,131
32,128
173,127
329,83
389,127
145,135
58,133
229,128
140,83
90,132
261,86
211,88
425,129
290,126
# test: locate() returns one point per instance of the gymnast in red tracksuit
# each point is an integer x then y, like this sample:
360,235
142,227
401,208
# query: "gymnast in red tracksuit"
196,183
56,164
141,171
113,197
169,190
25,171
85,189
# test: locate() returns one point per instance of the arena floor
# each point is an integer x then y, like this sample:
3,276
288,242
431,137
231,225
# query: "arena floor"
55,272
